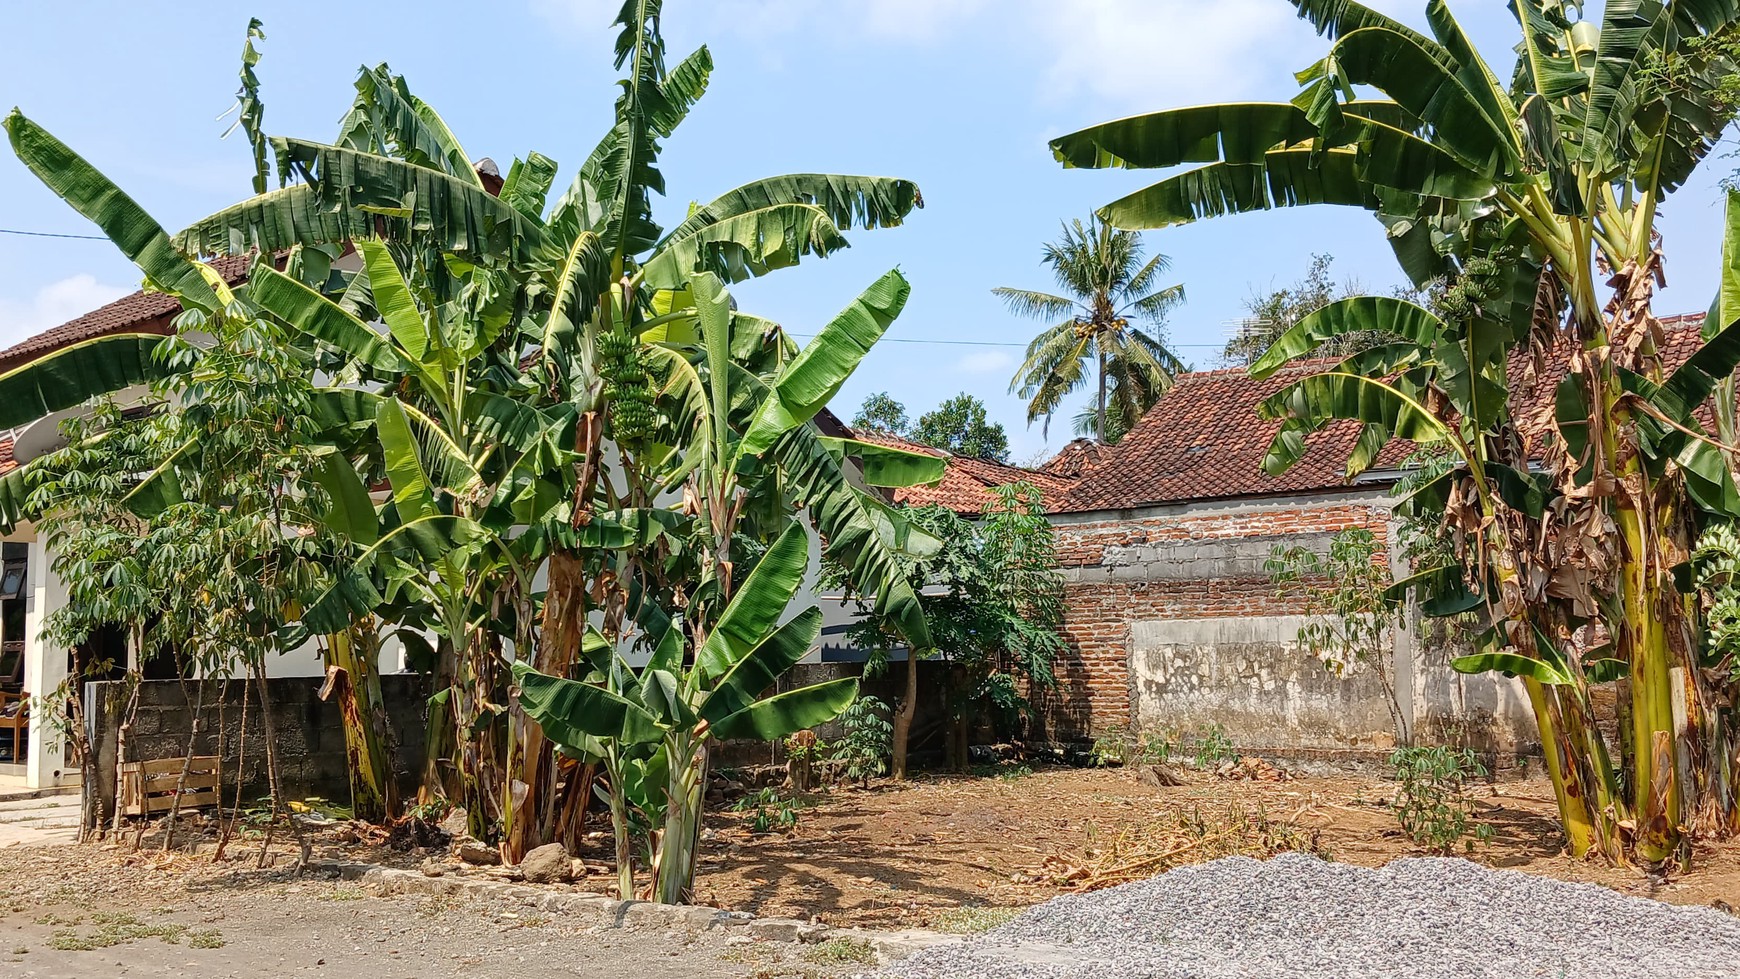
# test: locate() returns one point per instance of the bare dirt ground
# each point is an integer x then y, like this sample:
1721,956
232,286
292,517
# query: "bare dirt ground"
902,856
954,854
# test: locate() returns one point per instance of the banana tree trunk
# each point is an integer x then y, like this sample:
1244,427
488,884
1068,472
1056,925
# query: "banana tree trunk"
674,870
354,680
439,726
619,827
533,765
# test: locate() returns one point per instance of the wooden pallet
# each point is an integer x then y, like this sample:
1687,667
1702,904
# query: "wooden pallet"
149,787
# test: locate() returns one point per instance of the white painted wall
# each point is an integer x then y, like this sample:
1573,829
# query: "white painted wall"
44,670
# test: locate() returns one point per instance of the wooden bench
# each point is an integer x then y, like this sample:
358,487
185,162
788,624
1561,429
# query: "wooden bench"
149,787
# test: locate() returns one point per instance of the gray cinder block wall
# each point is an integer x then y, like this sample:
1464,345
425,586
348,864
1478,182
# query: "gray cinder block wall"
309,732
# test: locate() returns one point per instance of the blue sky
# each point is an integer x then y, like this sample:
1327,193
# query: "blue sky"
959,95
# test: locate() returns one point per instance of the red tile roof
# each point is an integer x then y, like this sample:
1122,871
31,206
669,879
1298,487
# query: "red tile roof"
7,462
967,482
141,312
1203,440
1075,459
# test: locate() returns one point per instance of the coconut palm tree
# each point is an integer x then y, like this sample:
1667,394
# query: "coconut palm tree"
1106,286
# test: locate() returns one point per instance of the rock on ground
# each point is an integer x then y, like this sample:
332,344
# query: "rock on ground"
548,864
1298,916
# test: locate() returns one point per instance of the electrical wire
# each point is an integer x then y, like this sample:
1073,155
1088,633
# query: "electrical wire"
50,234
799,336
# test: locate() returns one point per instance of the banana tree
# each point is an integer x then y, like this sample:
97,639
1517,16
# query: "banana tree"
744,453
455,449
1604,118
716,695
591,262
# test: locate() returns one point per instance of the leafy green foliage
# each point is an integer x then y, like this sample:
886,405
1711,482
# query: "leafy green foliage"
994,601
1209,748
961,426
1432,802
1273,312
866,740
1345,598
881,413
769,811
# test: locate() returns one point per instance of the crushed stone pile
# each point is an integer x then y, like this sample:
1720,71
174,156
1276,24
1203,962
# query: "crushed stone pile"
1298,917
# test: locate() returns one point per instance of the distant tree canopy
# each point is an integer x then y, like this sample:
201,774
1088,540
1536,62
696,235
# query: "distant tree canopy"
1274,312
958,425
881,413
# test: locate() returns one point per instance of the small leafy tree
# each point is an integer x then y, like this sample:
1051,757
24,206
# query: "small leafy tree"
993,598
960,425
1348,613
881,413
1432,802
102,553
866,740
1275,311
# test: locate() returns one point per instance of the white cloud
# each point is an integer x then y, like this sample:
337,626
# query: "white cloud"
53,305
1142,54
987,362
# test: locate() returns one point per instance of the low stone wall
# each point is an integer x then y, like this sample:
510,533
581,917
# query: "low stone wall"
309,735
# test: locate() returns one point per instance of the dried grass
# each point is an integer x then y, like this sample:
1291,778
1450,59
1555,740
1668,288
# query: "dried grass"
1139,852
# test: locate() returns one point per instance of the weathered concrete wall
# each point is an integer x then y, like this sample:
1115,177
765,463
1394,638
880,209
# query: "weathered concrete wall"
1248,675
1173,625
309,735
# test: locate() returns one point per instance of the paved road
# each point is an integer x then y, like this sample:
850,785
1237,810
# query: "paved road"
39,821
74,913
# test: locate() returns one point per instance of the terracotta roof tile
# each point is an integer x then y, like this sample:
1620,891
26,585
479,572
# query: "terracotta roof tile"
7,462
141,312
967,482
1075,459
1203,440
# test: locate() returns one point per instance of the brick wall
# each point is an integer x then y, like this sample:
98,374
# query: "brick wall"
1173,624
1190,561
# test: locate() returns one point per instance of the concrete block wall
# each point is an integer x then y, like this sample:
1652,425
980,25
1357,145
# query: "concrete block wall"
309,735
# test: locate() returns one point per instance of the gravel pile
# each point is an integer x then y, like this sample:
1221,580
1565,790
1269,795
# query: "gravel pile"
1297,916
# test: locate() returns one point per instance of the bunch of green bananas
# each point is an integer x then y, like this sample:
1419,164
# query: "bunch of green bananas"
627,388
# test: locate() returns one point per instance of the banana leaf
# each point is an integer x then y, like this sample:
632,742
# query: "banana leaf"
809,381
782,715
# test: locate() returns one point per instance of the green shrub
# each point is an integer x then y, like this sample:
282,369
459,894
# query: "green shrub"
1110,749
866,740
1211,747
1432,802
769,811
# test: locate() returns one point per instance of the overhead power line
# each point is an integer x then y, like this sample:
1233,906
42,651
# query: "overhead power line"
50,234
799,336
987,343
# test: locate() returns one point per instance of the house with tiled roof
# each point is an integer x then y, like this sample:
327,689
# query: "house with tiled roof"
31,667
1173,622
968,481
